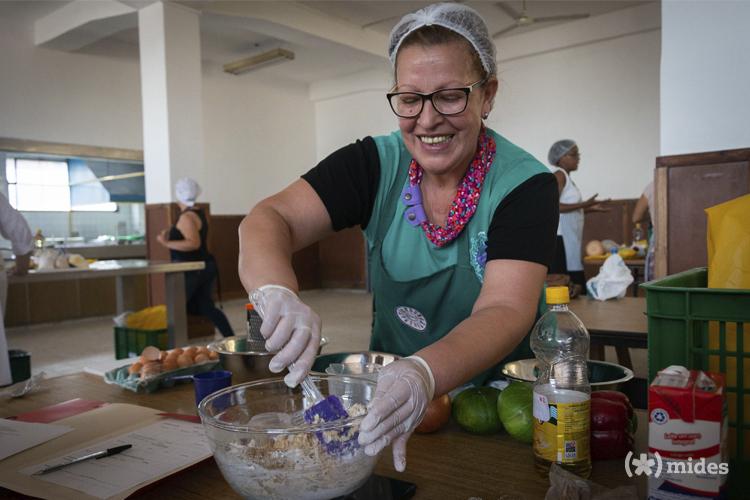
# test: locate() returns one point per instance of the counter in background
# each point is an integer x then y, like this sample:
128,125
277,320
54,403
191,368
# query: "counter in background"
124,271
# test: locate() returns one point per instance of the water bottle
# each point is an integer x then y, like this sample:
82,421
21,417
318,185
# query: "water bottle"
562,394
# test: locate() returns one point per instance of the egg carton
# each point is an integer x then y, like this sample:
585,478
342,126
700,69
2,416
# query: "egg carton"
133,382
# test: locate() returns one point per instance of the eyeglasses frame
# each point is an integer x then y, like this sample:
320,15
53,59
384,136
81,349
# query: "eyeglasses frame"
467,90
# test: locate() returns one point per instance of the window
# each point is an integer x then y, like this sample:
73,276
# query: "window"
45,186
38,185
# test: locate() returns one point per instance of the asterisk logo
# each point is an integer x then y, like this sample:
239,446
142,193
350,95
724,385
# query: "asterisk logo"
643,465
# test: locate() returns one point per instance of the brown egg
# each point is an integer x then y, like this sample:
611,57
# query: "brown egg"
169,364
190,351
184,360
151,369
200,358
163,356
172,355
151,353
178,350
135,368
213,355
201,350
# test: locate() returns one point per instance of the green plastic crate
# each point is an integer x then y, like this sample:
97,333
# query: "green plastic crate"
130,342
708,329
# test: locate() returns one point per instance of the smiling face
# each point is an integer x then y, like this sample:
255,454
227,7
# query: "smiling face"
442,145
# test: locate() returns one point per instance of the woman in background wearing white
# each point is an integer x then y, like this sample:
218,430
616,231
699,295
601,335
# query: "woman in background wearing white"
564,158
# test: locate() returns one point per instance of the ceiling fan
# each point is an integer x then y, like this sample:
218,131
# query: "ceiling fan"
523,19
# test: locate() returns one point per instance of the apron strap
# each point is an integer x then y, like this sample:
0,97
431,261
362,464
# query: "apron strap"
391,203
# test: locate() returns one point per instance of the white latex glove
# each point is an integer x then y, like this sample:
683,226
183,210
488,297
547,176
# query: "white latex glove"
291,330
404,389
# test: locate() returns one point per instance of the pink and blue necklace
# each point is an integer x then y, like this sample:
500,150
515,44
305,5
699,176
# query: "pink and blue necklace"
465,202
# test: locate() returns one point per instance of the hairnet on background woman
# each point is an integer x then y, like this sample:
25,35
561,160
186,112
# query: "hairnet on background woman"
459,224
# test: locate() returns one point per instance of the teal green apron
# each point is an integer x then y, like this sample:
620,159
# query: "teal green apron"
410,315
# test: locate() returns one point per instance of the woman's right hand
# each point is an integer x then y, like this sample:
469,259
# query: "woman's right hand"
594,205
291,330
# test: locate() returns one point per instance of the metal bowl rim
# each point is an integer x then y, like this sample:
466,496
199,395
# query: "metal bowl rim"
628,373
217,347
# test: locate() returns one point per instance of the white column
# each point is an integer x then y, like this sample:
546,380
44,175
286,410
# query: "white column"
705,76
169,39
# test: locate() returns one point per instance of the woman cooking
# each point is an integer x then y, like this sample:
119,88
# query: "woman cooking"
460,226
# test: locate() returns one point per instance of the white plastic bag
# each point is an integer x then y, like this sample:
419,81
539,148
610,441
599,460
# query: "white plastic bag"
612,281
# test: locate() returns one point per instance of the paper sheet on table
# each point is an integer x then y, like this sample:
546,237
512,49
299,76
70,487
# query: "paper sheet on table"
94,429
157,449
16,437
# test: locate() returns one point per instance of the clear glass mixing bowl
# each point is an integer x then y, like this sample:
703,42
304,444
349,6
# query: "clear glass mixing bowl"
265,450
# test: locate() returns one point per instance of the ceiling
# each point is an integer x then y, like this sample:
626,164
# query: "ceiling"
382,15
225,39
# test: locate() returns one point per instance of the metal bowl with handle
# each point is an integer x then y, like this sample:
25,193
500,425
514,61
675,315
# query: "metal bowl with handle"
245,359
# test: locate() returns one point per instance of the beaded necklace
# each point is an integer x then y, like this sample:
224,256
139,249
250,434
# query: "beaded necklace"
465,202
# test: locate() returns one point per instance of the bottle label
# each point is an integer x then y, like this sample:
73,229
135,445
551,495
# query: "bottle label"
562,437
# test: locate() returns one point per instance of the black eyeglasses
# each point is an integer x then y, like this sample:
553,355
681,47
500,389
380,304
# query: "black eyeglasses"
447,102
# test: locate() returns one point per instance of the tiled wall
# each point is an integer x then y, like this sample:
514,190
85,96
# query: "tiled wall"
127,220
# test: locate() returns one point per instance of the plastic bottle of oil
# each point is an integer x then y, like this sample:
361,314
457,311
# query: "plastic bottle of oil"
562,394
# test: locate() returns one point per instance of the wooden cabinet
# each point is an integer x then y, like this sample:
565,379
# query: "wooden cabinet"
33,303
685,185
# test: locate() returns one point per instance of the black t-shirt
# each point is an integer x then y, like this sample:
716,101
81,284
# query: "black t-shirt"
523,227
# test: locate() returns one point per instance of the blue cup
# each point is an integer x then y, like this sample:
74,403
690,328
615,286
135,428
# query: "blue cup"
209,382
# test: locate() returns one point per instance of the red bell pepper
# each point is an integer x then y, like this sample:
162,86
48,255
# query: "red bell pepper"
618,396
611,434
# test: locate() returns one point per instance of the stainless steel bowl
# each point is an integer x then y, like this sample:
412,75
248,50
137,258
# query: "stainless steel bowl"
364,357
246,361
602,375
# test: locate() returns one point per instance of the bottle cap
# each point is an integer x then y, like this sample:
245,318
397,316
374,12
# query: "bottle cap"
249,306
557,295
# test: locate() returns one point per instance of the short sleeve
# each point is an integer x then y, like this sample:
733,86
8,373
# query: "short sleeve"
524,225
347,182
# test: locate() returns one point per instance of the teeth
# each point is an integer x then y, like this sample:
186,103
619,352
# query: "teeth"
435,140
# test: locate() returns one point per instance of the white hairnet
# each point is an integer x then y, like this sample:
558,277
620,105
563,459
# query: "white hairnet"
187,190
456,17
559,149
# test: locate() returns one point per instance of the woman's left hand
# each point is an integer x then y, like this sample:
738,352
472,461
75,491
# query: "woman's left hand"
404,390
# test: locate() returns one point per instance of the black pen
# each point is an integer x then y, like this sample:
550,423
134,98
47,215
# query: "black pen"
99,454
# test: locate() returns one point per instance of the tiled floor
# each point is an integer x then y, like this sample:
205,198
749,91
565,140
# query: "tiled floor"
72,346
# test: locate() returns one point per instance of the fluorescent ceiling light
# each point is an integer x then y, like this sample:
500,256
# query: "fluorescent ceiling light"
259,61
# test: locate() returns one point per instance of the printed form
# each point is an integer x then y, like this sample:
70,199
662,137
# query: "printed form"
18,436
158,449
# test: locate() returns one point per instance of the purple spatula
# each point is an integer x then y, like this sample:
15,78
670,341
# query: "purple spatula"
322,409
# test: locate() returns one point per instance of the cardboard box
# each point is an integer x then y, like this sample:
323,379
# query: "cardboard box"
687,435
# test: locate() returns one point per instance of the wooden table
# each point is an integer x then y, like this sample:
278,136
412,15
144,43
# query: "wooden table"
621,323
447,464
124,269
